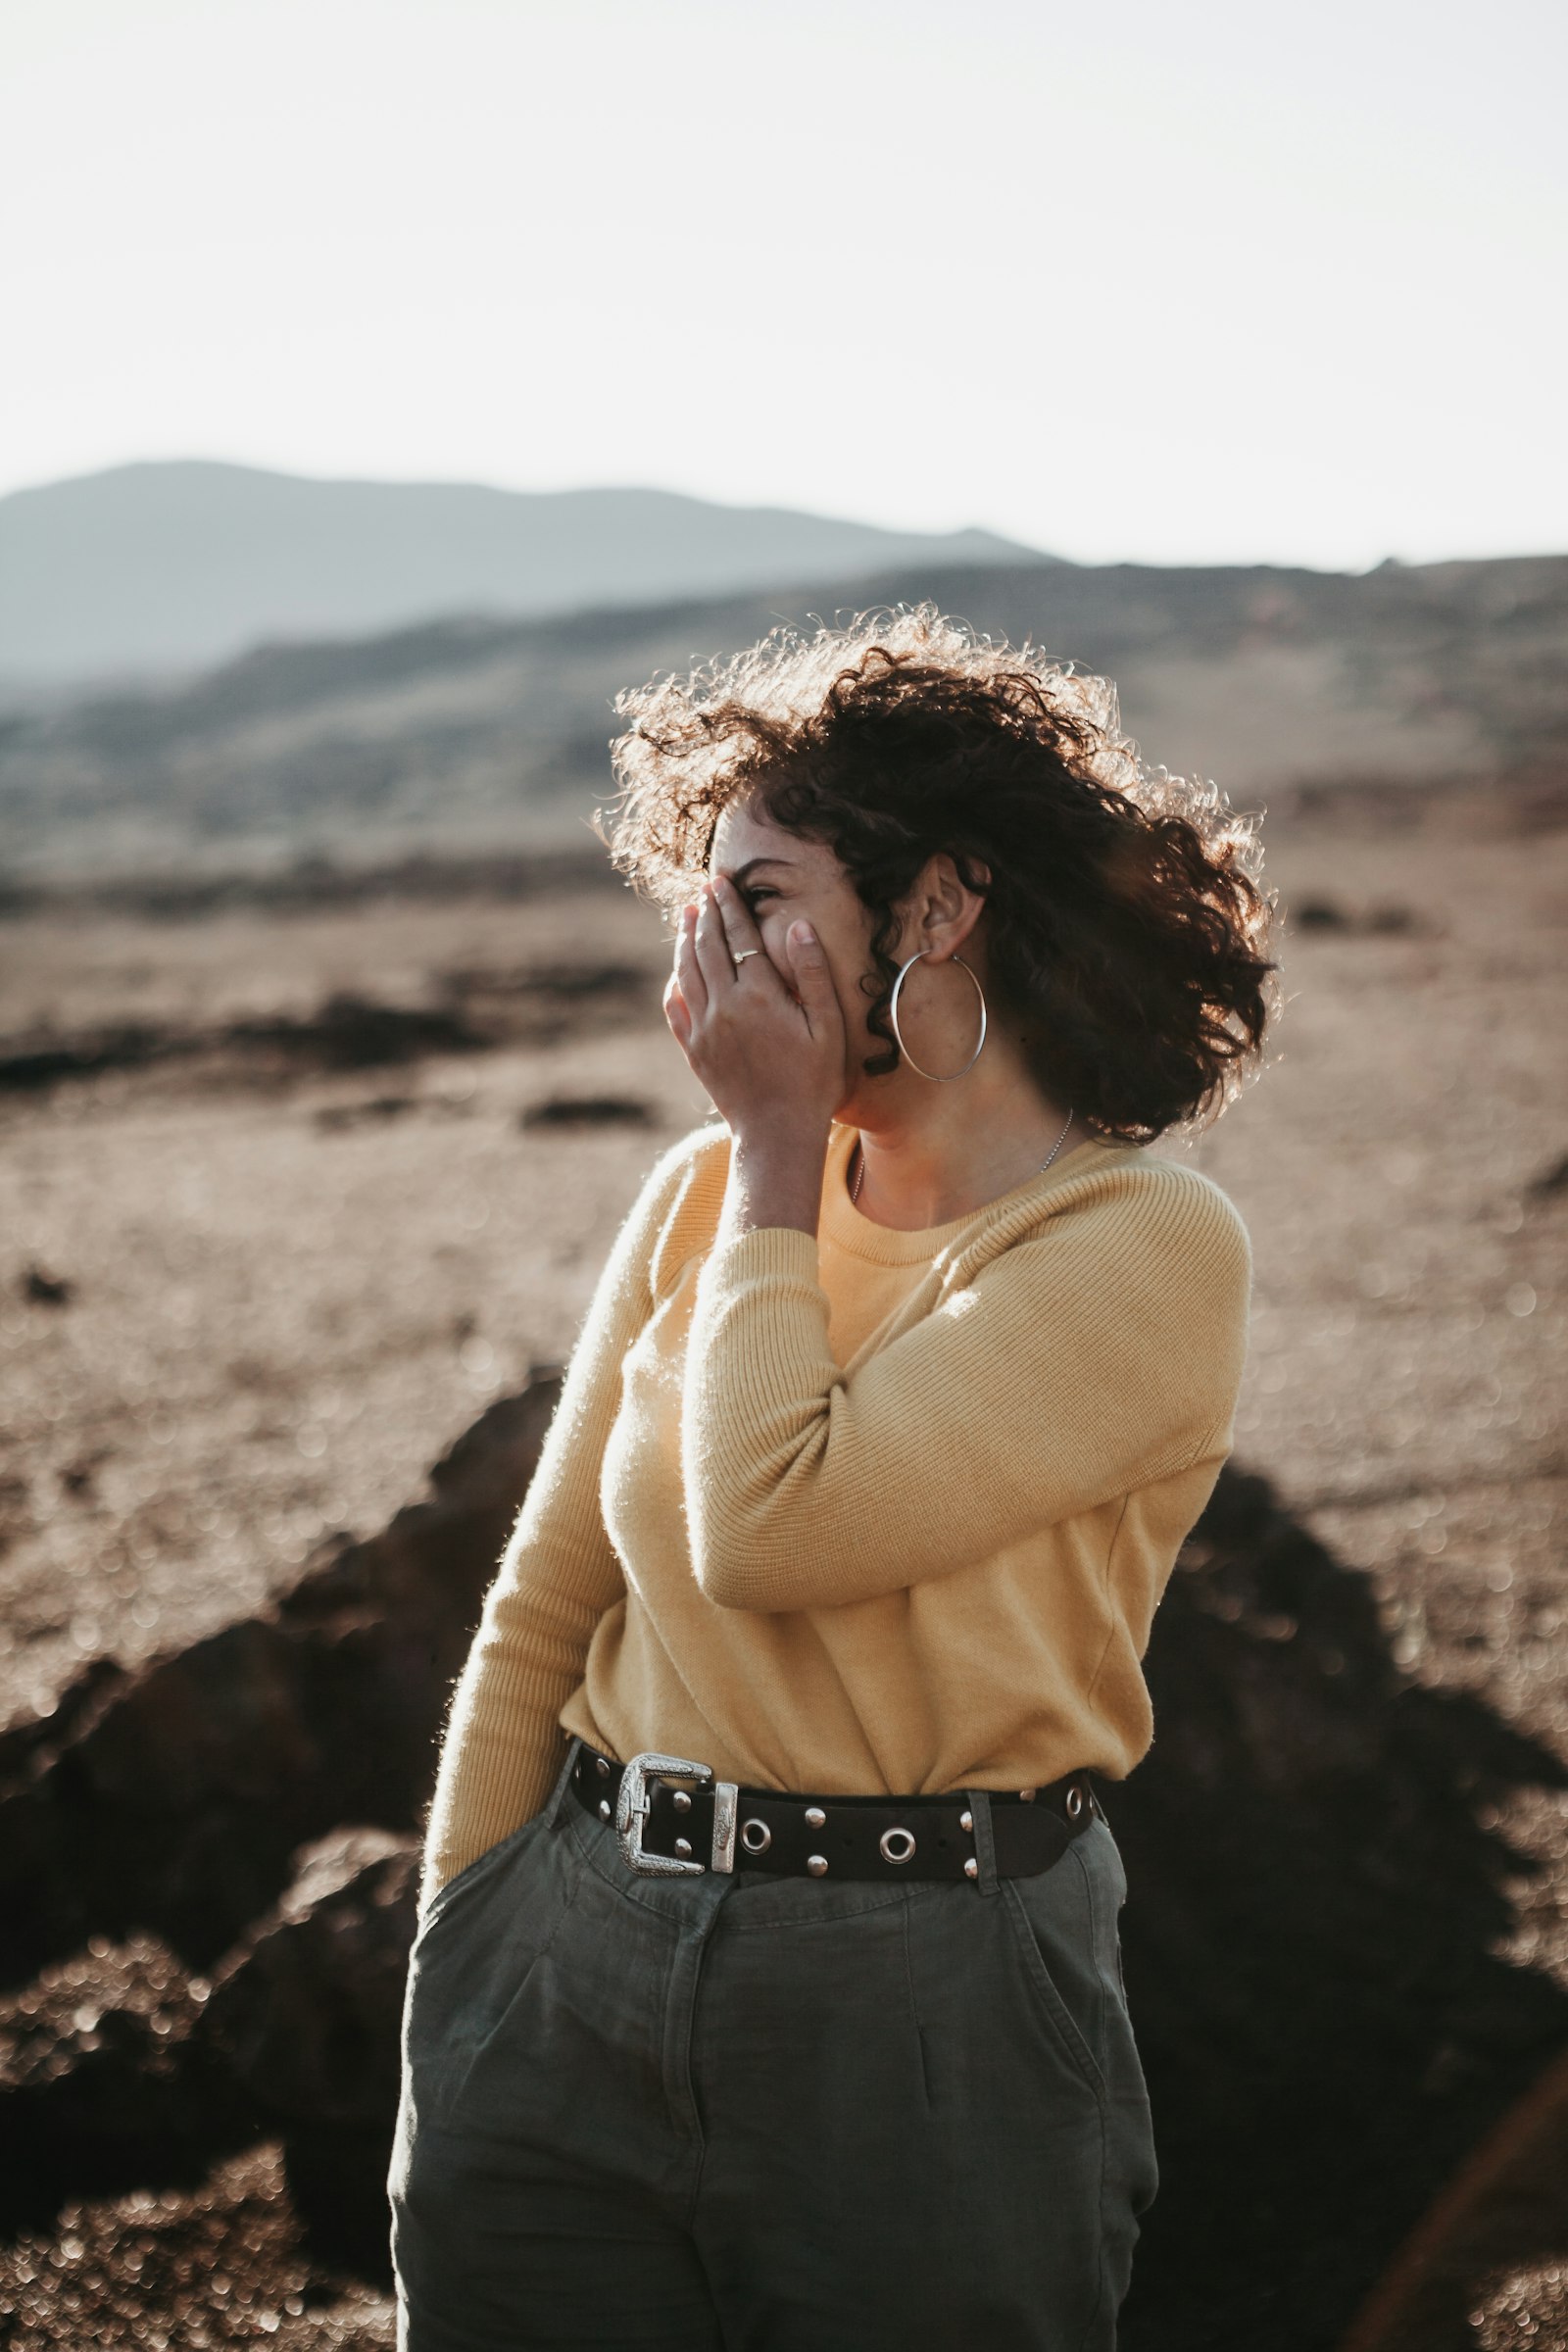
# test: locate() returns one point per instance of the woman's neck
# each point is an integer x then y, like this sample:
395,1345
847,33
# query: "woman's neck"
929,1156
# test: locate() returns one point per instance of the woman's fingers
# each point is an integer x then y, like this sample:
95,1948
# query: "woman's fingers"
688,971
677,1014
758,1049
813,982
714,957
741,935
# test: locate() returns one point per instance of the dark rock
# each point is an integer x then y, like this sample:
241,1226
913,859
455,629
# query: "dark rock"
352,1033
1384,921
26,1746
305,2019
41,1288
118,2069
304,2013
588,1110
346,1033
103,2083
171,1801
1483,2243
472,1012
1320,914
1316,1896
26,1069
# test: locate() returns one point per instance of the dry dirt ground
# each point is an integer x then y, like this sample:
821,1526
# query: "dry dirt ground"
241,1305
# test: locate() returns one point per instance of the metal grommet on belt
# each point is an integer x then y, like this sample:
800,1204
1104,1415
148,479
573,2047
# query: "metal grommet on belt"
896,1845
1074,1801
755,1835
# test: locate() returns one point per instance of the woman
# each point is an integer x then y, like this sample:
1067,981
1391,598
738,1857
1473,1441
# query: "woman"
768,1989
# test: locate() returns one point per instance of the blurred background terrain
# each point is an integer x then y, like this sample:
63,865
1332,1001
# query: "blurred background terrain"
483,732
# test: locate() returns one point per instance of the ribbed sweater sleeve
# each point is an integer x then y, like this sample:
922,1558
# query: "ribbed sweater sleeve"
558,1576
1094,1356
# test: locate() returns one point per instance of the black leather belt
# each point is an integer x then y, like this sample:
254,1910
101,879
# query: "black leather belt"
672,1820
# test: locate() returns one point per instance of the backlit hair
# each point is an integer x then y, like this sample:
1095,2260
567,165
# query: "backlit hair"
1125,919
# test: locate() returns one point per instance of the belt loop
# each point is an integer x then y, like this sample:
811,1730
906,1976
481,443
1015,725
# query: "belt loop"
556,1801
978,1801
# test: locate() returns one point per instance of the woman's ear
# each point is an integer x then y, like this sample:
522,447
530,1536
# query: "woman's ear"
942,910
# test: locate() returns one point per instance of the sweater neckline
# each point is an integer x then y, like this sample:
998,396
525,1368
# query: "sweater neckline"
843,1225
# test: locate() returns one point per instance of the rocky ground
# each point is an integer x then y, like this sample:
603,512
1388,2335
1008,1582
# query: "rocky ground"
309,1188
251,1292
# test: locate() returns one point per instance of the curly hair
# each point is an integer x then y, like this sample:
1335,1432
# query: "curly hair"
1124,915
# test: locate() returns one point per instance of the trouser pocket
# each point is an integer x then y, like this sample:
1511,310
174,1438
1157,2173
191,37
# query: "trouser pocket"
481,1936
1074,2023
458,1890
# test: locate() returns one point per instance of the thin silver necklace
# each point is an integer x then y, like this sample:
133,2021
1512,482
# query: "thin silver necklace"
860,1161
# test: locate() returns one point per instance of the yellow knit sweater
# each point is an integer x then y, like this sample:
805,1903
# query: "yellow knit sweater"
931,1565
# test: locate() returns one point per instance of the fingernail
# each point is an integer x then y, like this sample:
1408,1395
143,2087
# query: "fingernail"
803,935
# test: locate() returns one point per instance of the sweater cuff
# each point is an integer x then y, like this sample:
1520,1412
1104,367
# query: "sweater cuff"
780,1253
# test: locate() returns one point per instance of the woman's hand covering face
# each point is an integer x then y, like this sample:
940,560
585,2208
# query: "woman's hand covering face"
768,1058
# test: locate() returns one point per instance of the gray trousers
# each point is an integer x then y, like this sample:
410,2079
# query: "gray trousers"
743,2114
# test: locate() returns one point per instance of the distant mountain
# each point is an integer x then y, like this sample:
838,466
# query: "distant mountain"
167,568
463,736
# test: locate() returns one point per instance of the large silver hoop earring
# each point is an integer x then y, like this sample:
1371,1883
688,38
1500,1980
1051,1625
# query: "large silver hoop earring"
892,1015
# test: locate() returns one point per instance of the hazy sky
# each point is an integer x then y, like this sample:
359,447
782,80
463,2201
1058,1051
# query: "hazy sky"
1170,282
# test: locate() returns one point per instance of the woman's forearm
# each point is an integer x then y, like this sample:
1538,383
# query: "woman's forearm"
775,1178
1100,1355
559,1574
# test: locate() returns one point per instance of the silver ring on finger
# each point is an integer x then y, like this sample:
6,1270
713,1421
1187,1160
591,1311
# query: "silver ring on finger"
745,951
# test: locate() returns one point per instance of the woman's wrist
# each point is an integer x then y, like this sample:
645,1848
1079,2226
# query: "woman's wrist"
775,1176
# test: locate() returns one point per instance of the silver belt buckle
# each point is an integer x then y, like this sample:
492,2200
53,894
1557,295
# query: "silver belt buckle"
631,1812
